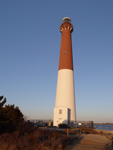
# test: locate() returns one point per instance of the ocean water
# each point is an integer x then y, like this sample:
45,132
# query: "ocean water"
104,127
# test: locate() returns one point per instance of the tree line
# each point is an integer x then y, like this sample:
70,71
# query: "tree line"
10,116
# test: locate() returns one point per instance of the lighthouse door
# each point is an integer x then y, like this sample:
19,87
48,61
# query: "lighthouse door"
69,114
60,120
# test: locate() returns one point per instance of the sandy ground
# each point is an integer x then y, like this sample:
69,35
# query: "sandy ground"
90,142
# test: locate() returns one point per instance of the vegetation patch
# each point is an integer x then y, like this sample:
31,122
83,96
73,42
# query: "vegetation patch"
18,134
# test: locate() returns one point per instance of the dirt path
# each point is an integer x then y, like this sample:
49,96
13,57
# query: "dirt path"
90,142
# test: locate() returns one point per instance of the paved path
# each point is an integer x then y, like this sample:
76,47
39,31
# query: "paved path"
90,142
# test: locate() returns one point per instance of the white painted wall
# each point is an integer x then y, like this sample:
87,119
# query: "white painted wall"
65,92
61,118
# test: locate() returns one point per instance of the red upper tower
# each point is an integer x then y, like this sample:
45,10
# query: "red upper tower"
66,60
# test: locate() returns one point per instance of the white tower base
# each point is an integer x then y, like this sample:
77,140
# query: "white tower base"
61,116
64,111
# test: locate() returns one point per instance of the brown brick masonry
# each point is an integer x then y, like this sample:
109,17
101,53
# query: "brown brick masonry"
66,59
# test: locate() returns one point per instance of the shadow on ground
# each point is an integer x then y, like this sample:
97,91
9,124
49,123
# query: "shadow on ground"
76,141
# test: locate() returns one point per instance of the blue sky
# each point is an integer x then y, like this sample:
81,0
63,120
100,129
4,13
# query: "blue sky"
29,56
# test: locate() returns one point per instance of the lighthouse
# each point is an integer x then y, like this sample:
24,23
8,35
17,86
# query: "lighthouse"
64,111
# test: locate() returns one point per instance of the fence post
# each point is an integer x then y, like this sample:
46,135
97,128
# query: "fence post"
67,132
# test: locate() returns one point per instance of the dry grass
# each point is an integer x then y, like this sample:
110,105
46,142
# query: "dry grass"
36,140
87,130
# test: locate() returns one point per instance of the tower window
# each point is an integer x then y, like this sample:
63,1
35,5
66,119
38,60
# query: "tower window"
64,52
60,111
